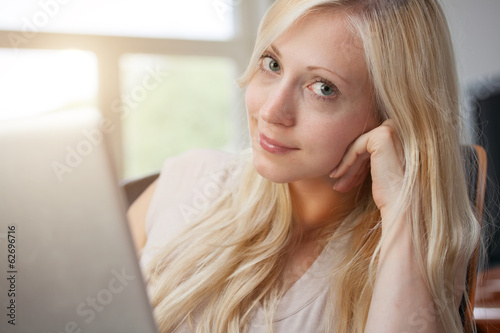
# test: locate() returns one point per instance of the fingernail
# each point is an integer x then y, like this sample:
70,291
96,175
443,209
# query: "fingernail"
332,174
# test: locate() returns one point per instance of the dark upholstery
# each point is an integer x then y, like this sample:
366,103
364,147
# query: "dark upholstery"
485,103
475,169
135,187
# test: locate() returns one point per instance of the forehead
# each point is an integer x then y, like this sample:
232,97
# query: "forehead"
324,38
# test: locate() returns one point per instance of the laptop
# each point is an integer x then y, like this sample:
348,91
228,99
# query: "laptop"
67,260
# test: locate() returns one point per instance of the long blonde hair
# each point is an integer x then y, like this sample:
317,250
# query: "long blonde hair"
233,256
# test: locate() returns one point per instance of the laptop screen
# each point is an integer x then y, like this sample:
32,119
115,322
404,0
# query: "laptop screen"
67,261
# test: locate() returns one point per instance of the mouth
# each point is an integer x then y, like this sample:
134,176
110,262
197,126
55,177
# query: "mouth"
273,146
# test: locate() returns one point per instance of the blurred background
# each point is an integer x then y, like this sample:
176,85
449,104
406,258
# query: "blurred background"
164,71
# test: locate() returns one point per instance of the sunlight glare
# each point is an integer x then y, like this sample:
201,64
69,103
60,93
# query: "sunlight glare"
39,81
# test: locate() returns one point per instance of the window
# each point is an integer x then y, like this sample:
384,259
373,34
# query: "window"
36,81
187,19
103,53
173,104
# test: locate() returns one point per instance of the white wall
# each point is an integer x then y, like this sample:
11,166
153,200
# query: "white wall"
475,28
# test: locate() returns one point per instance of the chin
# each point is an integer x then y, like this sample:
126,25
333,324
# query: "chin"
271,172
277,173
279,179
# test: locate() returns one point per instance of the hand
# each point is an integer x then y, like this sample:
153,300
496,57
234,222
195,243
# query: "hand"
380,152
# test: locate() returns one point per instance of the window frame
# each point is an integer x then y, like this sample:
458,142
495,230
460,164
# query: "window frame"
247,12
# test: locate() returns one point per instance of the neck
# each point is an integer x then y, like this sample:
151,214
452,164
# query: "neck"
317,205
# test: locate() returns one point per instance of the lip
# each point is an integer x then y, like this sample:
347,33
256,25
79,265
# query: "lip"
273,146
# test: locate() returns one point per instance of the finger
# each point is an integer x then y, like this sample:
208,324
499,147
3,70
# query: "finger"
399,151
356,152
386,149
354,177
394,137
361,178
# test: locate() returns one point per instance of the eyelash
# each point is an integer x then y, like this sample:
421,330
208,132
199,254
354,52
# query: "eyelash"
262,57
336,91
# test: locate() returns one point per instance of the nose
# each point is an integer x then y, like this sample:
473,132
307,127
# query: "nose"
279,107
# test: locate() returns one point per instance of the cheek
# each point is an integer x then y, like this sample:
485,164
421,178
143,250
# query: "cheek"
325,133
344,127
329,140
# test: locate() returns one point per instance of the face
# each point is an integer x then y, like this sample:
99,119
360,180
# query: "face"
309,99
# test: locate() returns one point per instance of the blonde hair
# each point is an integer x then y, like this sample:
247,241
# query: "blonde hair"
234,255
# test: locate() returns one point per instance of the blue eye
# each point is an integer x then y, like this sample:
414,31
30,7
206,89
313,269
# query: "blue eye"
269,63
322,88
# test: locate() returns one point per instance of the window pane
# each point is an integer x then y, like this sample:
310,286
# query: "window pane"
171,105
35,81
186,19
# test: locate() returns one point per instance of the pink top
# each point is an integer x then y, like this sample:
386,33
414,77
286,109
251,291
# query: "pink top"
187,184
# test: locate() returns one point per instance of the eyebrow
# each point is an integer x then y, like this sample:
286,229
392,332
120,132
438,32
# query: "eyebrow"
311,68
275,50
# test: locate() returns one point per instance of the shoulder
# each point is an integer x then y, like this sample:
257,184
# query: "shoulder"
178,177
180,174
196,175
186,186
195,163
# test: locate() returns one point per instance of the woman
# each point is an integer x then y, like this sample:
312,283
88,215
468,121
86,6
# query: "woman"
351,214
